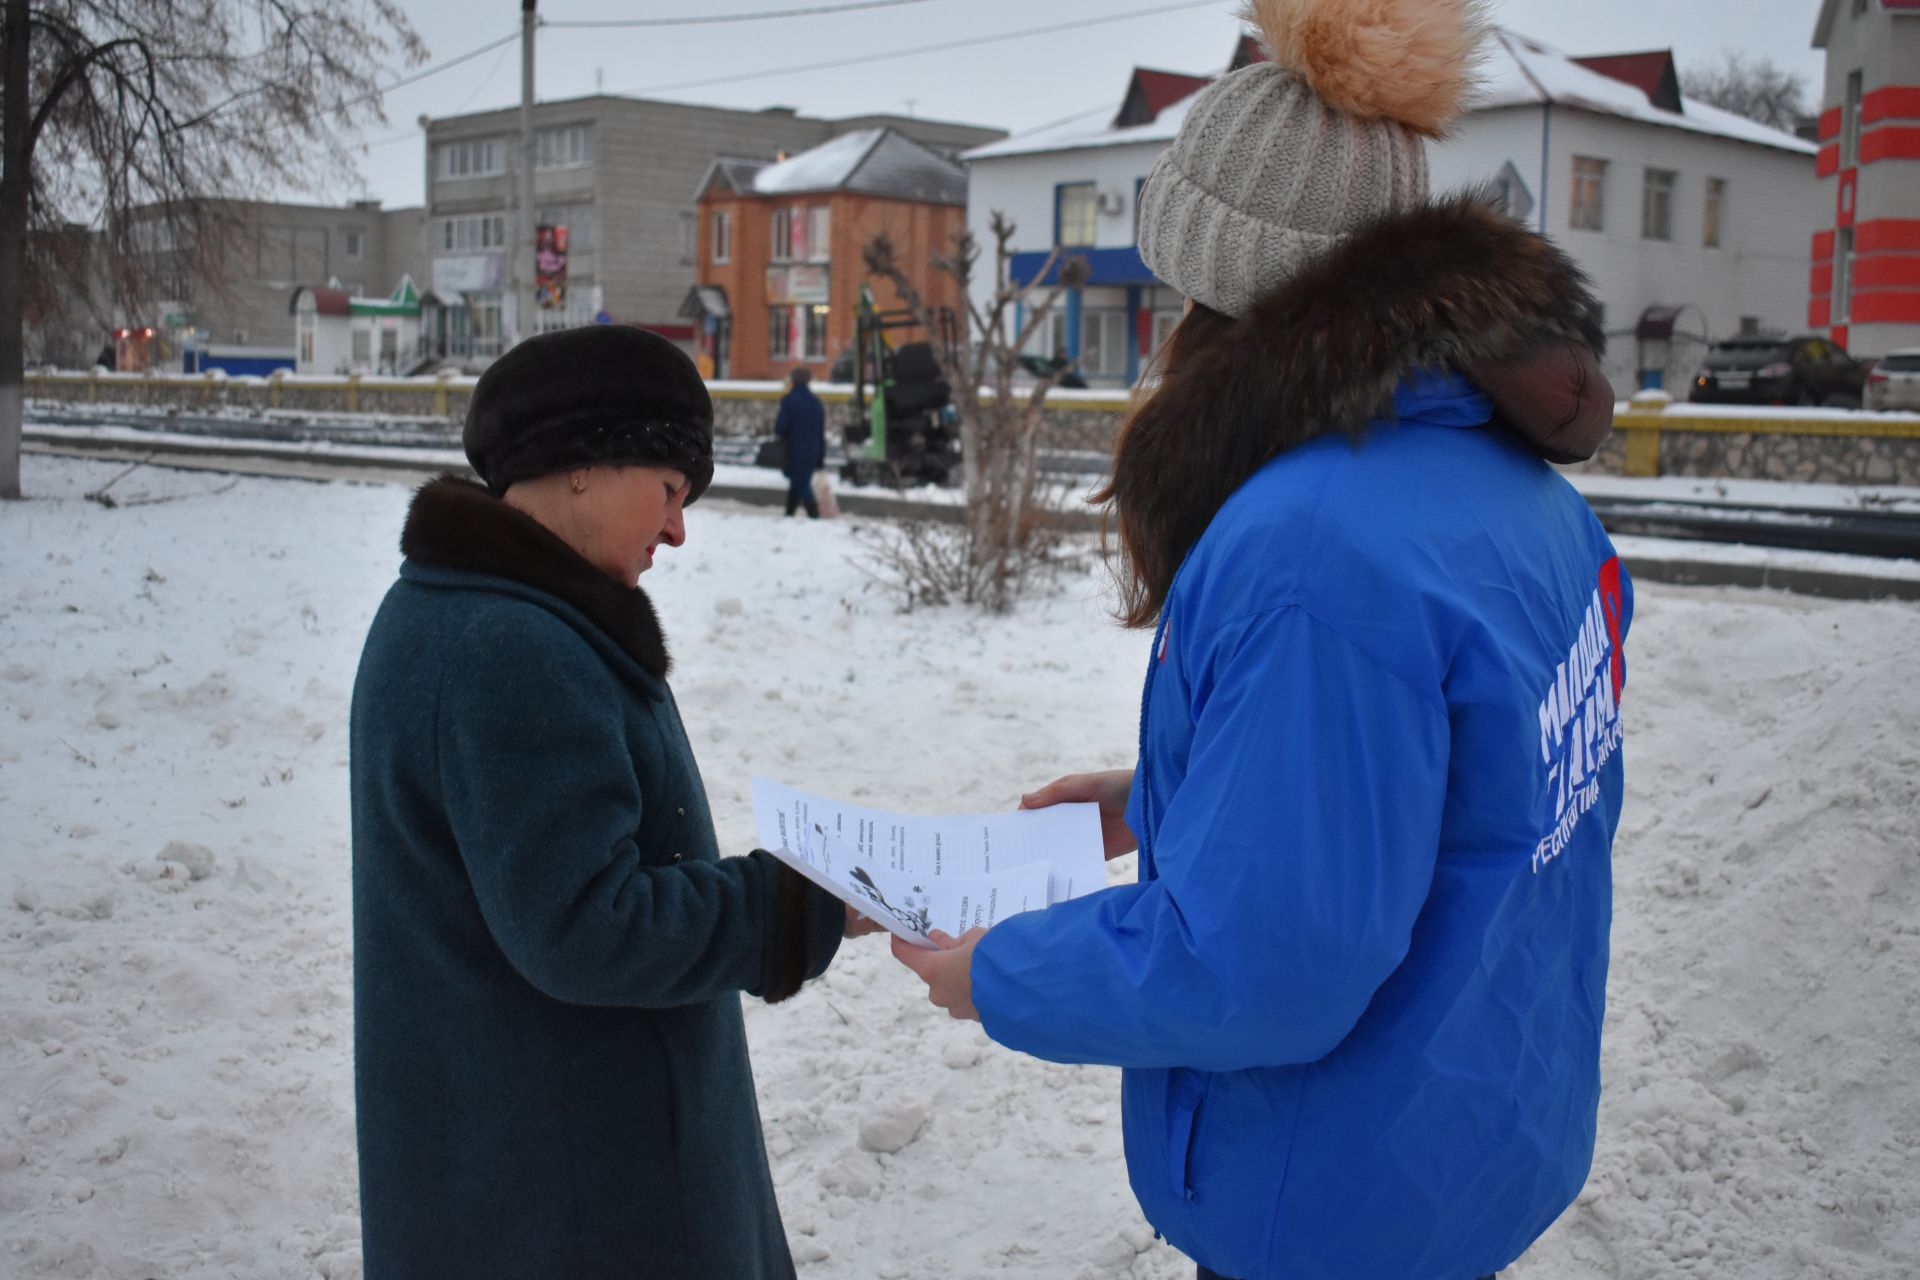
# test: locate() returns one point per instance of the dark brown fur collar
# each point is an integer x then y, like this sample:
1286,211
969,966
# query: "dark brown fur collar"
1452,285
456,524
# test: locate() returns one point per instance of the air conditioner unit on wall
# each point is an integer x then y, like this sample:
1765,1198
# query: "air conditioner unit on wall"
1110,202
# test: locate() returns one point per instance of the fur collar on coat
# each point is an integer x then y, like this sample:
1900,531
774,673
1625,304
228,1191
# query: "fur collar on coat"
1455,284
456,524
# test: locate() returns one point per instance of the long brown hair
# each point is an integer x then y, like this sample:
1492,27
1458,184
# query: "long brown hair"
1186,444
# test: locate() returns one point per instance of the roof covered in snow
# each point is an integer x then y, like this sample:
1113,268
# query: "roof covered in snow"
1519,72
878,162
1524,72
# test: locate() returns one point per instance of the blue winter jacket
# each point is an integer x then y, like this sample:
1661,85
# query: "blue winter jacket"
802,423
1358,988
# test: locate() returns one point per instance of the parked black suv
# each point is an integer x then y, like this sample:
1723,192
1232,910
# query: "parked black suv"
1808,370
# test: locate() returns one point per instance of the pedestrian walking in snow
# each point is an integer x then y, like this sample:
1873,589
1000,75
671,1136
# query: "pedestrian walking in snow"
1357,991
550,1063
802,423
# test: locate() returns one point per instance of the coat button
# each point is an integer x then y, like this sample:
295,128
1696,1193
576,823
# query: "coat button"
679,813
678,857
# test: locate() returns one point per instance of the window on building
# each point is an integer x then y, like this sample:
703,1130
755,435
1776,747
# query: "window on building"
1850,124
1656,205
566,146
1843,276
1103,343
362,346
1074,208
466,235
779,333
819,233
815,345
577,219
723,235
1859,7
782,235
1716,211
1589,194
484,323
474,158
351,242
1051,335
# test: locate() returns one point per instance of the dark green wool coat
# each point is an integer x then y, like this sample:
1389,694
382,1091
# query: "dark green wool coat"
550,1062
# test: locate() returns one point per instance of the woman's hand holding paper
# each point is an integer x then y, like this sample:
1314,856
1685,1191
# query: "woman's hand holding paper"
948,972
1108,790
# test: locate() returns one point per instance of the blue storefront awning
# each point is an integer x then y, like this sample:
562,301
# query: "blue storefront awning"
1110,266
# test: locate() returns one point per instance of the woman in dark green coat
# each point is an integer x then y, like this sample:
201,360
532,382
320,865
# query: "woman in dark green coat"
550,1060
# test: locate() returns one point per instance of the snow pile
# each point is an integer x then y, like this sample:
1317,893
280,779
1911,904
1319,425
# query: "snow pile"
175,1019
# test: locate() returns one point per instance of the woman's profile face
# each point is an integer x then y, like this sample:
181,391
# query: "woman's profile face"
629,513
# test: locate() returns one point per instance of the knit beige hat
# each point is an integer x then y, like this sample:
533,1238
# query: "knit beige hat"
1278,162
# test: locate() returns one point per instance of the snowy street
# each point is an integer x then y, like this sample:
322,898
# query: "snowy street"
176,1092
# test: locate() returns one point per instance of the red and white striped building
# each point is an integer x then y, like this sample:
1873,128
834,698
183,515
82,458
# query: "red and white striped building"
1866,261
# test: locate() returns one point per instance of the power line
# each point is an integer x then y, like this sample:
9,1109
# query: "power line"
407,134
418,76
946,47
582,23
972,42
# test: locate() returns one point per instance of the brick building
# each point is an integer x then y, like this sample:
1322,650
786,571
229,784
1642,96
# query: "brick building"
780,254
622,176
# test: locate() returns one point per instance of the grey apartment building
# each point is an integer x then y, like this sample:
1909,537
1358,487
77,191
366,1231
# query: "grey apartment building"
274,249
262,252
620,174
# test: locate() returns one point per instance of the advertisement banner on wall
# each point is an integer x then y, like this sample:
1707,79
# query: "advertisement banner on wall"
550,267
800,284
468,273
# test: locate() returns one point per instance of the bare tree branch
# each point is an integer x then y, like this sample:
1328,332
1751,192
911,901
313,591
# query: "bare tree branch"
1757,90
143,122
1008,533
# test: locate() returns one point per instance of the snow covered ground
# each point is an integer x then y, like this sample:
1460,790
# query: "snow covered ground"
175,1021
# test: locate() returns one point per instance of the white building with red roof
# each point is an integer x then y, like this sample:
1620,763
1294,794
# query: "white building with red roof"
1691,221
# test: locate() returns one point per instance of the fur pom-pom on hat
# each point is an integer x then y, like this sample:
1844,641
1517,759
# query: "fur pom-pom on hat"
1410,61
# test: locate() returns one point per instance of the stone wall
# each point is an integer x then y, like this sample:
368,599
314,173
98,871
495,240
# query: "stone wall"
1069,426
1650,438
1812,459
385,397
1747,455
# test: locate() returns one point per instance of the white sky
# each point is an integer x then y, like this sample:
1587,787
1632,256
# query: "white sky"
1013,85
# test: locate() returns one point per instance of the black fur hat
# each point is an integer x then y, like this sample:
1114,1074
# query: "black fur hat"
597,394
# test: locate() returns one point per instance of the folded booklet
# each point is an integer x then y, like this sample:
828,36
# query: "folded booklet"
917,874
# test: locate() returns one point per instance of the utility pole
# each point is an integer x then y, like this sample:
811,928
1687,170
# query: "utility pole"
520,255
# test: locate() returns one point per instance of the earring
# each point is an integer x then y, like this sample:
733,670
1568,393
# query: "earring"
577,484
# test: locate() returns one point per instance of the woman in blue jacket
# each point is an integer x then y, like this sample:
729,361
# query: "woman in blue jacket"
802,423
1358,988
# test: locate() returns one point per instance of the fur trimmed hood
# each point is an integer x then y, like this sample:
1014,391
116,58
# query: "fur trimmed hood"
456,524
1453,285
